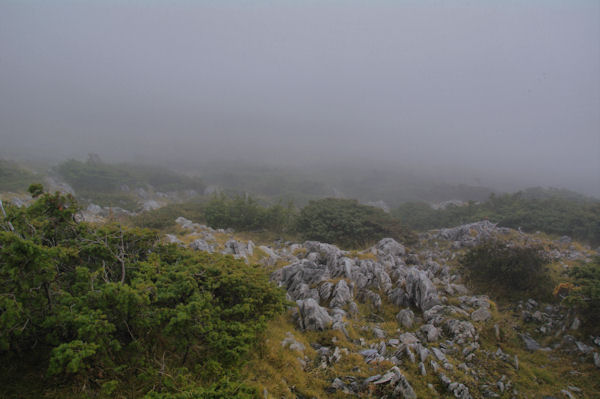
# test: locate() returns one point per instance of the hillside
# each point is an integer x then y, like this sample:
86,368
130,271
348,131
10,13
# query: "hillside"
396,319
401,321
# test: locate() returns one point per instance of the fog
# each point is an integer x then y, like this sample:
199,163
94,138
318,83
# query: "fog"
503,94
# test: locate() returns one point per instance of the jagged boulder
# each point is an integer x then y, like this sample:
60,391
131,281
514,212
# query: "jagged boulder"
239,249
469,234
421,291
325,291
439,313
406,318
311,316
481,314
462,332
389,246
341,295
201,245
429,333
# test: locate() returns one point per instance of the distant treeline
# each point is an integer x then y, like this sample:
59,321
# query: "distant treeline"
551,211
95,175
339,221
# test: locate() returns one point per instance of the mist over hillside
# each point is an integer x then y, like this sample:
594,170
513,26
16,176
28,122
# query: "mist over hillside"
469,93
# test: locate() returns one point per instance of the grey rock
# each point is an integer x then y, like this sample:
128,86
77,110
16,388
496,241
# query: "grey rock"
439,355
371,379
597,360
403,387
405,318
389,377
429,332
408,338
576,324
530,343
172,239
370,355
389,246
184,223
201,245
325,291
439,313
311,316
462,332
150,205
421,290
378,332
583,348
481,314
290,342
341,295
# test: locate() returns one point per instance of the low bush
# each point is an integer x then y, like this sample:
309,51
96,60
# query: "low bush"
347,223
109,309
585,291
509,267
244,213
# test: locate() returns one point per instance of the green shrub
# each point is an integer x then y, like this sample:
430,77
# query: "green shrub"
586,294
551,211
347,223
513,268
103,307
244,213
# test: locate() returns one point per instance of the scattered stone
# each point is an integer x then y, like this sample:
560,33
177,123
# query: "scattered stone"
576,324
406,318
481,314
290,342
530,343
201,245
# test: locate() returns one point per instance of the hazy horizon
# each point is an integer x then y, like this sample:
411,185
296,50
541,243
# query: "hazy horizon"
498,94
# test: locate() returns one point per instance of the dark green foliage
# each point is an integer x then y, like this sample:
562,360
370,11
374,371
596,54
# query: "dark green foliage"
551,211
586,294
13,177
105,308
36,190
244,213
513,268
346,223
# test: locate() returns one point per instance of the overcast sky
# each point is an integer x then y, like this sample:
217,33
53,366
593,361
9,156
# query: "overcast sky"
500,90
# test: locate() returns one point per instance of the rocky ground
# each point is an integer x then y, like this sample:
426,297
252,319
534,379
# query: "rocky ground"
392,321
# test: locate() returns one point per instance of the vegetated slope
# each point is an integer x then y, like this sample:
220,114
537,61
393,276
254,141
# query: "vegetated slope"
393,321
422,319
13,177
111,312
105,311
123,185
551,211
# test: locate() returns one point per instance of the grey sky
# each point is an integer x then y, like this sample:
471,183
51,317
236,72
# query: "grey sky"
498,90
